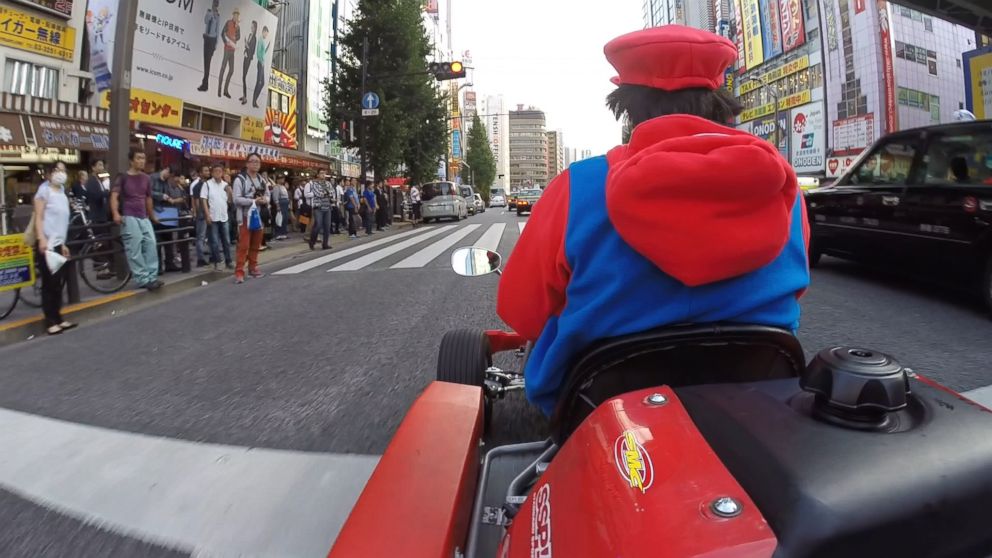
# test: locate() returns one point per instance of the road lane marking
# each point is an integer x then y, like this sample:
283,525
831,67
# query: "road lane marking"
982,396
521,226
427,255
359,263
490,239
317,262
215,499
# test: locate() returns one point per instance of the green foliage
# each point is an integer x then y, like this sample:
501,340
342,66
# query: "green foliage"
410,131
479,156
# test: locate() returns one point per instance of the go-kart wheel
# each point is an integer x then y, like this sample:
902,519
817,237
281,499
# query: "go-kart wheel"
463,358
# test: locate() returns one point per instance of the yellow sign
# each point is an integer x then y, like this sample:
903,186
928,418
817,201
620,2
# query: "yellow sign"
35,34
754,53
16,263
981,89
795,100
785,70
252,129
151,108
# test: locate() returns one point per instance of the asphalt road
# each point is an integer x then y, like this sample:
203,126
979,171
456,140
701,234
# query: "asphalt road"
326,361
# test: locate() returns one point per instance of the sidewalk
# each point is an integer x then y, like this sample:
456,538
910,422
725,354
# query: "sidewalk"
26,322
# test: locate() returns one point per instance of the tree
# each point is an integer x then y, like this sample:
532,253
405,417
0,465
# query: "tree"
406,132
479,156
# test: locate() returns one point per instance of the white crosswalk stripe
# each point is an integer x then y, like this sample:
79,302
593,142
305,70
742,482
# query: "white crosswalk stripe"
490,239
317,262
370,259
427,255
521,226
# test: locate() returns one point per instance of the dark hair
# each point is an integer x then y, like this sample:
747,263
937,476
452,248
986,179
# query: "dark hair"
95,161
216,165
173,169
253,154
50,167
132,153
637,103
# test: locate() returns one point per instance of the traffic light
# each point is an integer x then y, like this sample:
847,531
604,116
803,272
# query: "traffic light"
447,70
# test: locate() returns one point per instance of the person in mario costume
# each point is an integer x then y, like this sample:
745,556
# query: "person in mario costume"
692,221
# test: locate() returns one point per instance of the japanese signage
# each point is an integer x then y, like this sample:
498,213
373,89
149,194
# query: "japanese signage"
753,50
809,138
318,65
739,36
978,82
853,135
793,28
35,34
16,263
888,75
771,31
101,23
456,144
785,70
62,8
279,127
32,154
219,59
469,103
151,108
11,133
764,128
252,129
794,100
225,148
70,134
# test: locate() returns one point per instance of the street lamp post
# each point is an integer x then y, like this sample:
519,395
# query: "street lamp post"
774,94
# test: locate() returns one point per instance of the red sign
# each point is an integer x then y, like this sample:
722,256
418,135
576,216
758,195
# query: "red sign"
793,30
888,75
859,6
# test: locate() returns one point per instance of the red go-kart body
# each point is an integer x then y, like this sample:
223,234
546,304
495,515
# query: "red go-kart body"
726,470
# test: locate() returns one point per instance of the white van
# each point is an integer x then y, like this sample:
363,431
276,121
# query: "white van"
442,200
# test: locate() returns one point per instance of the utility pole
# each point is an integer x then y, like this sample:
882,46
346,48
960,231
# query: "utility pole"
120,86
361,127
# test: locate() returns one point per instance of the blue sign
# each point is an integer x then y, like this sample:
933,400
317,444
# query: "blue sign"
456,144
169,141
370,101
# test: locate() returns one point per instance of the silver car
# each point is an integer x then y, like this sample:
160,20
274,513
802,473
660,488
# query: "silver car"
442,200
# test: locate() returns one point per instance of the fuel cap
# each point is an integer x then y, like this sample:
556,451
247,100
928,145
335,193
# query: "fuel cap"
857,382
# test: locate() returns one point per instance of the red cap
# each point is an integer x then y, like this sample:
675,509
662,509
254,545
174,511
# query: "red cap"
671,57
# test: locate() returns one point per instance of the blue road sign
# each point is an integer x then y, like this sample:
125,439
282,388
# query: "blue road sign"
370,101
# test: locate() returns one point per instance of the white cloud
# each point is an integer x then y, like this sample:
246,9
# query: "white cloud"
549,54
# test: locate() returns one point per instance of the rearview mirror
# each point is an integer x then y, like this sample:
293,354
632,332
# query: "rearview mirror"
473,262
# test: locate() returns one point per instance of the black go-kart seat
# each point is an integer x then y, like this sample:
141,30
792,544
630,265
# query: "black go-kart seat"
675,356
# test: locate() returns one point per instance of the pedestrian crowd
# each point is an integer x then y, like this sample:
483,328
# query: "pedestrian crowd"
233,214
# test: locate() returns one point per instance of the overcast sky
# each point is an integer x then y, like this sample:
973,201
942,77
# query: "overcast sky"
549,54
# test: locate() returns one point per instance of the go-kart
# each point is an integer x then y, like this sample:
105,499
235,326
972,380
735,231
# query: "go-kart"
713,440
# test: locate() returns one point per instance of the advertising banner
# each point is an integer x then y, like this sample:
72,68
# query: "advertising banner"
753,49
218,59
61,8
151,107
785,70
739,36
11,133
771,30
809,138
16,263
318,65
101,24
25,31
280,122
793,28
252,129
978,82
852,135
456,144
764,128
888,75
70,134
430,6
794,100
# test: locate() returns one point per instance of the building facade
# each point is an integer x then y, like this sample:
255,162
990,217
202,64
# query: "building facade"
528,148
497,121
556,153
694,13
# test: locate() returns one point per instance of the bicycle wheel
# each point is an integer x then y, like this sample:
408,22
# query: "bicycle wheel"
98,272
32,295
8,300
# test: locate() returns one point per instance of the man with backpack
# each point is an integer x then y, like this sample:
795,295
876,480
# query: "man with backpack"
320,194
249,194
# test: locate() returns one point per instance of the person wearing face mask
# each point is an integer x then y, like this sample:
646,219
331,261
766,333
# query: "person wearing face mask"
51,221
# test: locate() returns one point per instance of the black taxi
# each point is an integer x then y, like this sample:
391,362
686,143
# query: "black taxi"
919,200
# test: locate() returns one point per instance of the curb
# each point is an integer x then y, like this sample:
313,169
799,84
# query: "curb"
104,307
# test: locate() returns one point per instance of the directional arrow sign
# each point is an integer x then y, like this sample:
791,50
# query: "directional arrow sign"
370,101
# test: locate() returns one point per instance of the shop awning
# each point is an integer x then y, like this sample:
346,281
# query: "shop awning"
209,146
55,139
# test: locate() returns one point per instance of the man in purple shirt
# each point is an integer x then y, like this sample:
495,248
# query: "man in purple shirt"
131,204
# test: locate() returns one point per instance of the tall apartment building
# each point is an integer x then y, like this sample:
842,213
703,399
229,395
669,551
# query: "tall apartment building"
694,13
556,153
528,148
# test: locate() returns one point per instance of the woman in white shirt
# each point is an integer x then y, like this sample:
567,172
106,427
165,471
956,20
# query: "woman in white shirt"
51,221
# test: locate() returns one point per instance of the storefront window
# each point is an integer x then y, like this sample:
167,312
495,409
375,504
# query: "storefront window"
232,126
191,118
212,122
